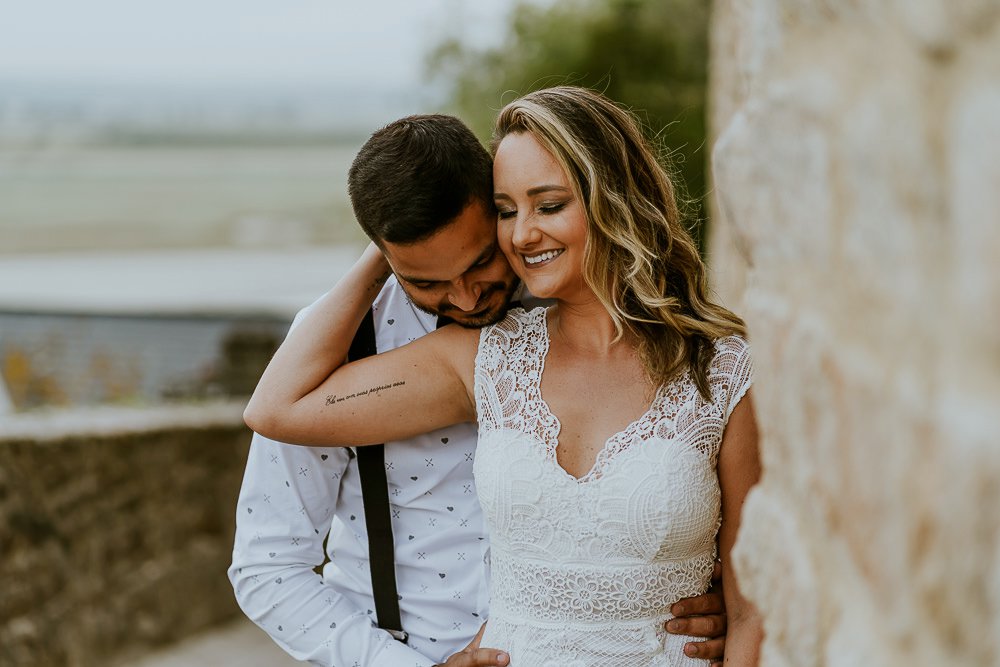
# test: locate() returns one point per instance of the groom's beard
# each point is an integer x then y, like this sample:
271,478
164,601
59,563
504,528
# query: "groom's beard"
491,307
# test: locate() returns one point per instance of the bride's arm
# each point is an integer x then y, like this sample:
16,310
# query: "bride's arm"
309,396
739,470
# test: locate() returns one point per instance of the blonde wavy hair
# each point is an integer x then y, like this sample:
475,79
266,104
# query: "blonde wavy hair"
640,260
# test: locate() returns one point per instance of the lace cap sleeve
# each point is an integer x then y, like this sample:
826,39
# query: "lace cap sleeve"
733,366
498,366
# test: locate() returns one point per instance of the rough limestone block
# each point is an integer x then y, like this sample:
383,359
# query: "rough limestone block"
857,171
941,26
776,566
770,163
973,181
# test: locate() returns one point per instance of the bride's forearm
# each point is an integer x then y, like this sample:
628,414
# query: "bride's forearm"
318,345
743,637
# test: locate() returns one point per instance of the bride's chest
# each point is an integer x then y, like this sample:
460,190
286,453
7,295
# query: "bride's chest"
655,499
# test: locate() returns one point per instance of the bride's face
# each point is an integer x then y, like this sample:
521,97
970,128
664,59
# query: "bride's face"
542,226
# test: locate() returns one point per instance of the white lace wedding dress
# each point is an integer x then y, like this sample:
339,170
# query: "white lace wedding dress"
584,570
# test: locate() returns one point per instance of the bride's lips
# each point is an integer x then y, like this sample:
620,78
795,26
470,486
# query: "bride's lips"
539,259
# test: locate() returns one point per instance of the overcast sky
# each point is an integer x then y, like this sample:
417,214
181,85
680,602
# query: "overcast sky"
235,41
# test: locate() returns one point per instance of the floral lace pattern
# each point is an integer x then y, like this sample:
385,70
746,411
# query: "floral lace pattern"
585,570
564,593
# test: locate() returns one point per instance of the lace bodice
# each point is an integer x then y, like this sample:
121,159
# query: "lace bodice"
585,570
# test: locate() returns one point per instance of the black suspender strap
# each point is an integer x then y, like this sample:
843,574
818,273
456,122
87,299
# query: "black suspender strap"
375,496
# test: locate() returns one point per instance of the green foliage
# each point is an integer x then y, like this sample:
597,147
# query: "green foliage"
650,55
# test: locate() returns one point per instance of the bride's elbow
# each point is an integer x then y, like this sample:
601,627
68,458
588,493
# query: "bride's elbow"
260,418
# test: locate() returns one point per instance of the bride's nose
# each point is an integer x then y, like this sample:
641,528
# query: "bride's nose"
526,232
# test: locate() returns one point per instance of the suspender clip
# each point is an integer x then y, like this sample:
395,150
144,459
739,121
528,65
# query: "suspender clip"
399,635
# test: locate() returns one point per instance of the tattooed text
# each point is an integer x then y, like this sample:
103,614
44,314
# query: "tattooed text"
333,398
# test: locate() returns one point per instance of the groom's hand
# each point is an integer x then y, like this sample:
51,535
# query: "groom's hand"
481,657
473,656
702,616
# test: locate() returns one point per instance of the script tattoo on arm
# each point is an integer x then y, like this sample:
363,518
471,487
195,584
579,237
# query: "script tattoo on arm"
333,399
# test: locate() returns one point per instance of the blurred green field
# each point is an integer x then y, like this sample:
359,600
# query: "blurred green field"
80,197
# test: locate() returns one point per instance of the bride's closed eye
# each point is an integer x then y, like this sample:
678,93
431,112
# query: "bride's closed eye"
543,209
549,209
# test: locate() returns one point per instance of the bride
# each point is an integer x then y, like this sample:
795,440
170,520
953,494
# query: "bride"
616,434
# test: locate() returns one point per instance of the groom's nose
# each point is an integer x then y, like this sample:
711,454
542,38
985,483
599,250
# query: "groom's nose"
464,294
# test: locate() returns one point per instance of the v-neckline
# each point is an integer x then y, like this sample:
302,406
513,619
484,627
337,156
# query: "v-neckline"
552,447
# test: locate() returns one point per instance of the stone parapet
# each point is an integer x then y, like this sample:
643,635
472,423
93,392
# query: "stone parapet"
117,530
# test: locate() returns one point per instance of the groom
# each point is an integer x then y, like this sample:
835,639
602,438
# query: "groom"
417,592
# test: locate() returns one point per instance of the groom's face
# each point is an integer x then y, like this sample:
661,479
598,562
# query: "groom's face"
459,272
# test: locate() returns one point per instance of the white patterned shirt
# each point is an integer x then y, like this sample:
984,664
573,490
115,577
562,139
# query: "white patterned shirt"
293,496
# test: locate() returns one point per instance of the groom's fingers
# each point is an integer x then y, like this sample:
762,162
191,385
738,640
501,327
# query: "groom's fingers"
480,657
710,649
487,657
474,644
710,626
707,603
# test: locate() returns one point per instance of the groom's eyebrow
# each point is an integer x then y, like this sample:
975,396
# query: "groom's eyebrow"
483,257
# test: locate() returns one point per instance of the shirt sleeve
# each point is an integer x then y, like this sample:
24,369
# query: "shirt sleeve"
284,513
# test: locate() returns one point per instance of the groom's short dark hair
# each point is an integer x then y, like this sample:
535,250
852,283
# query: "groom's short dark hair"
417,174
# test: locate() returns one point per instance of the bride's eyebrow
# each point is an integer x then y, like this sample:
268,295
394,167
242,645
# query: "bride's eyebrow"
537,190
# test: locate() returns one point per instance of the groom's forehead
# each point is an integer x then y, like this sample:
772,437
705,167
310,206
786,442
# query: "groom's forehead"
465,241
442,261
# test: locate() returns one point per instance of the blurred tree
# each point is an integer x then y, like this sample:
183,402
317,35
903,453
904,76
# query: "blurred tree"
650,55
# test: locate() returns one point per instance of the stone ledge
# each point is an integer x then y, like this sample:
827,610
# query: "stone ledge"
117,529
42,426
173,282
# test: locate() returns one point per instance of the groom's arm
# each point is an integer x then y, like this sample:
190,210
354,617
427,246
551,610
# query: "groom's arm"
284,513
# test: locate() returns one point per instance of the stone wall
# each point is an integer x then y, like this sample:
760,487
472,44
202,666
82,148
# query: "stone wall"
116,530
857,164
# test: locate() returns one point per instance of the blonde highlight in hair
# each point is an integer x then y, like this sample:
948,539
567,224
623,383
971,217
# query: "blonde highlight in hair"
640,260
